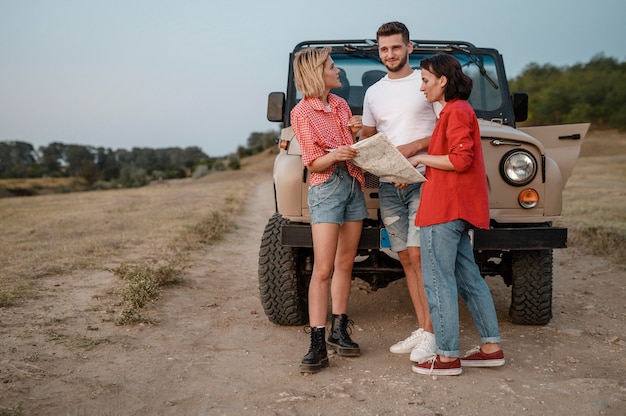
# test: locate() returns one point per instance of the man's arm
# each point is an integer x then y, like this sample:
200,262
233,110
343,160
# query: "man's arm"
413,148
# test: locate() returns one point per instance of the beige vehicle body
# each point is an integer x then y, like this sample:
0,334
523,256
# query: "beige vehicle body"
527,169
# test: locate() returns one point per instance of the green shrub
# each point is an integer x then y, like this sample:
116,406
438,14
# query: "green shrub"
131,177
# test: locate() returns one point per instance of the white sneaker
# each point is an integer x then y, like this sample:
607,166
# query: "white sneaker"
406,346
425,349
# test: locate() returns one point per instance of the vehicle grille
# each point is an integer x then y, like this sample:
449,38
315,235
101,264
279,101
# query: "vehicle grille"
371,181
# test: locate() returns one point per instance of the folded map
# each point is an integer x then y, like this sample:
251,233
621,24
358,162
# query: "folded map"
380,157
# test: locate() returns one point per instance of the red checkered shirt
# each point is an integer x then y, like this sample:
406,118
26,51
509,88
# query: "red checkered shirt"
320,130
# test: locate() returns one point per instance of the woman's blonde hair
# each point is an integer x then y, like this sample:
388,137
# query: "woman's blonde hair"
308,69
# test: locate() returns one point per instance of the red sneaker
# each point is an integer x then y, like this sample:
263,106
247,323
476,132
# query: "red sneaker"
478,358
435,367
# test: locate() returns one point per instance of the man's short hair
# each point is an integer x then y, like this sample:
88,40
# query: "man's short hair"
393,28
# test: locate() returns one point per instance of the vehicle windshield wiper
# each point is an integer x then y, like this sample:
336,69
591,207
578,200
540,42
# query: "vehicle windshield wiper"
476,62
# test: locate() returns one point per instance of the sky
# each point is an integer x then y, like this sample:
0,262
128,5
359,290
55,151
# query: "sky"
120,74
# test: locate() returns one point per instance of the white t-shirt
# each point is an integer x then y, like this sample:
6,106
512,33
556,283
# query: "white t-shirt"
399,109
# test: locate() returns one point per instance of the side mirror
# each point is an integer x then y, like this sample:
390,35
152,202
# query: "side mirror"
520,106
275,106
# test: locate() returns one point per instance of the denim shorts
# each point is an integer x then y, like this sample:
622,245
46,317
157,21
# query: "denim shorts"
337,200
398,208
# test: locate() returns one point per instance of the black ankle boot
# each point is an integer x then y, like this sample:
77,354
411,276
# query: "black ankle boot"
339,338
317,357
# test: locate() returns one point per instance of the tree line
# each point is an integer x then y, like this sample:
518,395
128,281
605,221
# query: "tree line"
593,92
105,167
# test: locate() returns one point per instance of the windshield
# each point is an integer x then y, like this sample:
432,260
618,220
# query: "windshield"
358,72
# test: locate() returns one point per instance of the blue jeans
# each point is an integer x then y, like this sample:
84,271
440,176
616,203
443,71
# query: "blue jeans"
397,210
449,270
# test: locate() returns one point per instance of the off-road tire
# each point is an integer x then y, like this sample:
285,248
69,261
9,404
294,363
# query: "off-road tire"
279,282
531,295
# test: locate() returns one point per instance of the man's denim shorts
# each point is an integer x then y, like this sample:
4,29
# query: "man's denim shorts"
337,200
398,208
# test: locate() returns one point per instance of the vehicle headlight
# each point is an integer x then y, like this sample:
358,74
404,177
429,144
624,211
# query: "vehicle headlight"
518,167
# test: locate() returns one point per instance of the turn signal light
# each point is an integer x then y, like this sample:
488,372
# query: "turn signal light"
528,198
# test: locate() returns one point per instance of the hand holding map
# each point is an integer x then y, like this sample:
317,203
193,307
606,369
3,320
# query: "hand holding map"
380,157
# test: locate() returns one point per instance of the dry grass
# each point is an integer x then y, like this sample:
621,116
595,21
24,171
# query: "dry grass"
595,196
57,234
142,286
40,186
38,183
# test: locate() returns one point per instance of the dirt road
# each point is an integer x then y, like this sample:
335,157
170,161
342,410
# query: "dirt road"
214,352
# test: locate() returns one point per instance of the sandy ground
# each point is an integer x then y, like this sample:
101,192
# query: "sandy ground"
213,351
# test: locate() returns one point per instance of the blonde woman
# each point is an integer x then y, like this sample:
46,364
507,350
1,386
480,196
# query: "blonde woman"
325,129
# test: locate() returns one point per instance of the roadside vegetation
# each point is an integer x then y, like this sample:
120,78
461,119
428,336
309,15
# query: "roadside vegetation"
142,285
62,168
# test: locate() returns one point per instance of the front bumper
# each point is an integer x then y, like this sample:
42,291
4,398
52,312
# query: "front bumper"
510,238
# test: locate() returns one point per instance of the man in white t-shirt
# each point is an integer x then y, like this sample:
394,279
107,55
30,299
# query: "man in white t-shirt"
396,106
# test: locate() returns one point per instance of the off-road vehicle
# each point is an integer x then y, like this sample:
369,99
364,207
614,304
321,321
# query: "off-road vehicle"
527,169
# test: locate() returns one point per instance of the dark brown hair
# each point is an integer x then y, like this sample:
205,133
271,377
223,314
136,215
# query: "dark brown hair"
393,28
459,85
